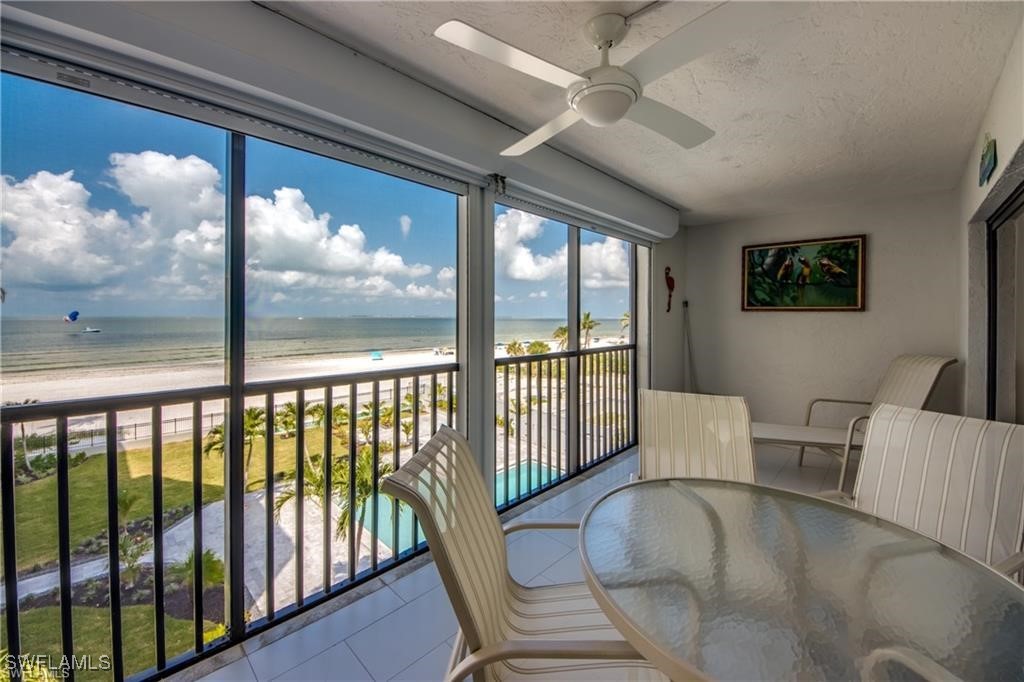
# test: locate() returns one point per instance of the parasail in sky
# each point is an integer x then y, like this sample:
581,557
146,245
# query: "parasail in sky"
71,317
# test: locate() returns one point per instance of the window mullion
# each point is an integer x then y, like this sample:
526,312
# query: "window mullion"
234,242
573,400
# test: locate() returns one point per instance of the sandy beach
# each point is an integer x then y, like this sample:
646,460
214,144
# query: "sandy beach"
86,383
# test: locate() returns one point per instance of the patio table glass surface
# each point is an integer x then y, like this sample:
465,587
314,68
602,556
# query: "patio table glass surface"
742,582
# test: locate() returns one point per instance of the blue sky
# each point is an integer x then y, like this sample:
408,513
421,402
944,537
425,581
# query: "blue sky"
118,210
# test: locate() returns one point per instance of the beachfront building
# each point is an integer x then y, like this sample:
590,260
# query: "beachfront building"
256,255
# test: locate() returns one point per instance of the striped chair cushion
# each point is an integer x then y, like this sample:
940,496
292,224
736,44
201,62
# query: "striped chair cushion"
689,434
957,479
444,487
564,612
910,380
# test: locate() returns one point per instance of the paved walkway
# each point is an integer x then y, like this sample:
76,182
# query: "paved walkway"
178,543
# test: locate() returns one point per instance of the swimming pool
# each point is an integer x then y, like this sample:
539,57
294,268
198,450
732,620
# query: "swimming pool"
539,475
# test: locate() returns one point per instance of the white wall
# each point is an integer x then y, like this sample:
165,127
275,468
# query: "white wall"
1004,121
667,347
780,360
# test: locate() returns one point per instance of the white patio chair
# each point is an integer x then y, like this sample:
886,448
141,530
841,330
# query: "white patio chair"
957,479
690,434
909,382
506,631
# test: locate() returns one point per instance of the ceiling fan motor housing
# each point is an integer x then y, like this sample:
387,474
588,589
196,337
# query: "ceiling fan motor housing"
605,96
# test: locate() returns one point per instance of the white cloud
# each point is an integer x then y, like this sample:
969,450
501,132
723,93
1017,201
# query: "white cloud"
285,234
538,294
174,241
57,240
604,264
176,192
405,223
446,275
413,290
514,258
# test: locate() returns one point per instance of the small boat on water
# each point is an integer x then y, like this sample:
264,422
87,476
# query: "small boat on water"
90,330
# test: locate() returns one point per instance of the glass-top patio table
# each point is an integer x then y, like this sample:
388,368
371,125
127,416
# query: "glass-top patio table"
733,581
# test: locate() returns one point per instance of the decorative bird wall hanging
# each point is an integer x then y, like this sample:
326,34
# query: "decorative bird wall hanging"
670,282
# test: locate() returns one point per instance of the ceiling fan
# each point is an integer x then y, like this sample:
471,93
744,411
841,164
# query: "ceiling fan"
606,93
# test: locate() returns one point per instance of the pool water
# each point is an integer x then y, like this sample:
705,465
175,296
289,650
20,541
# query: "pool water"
539,475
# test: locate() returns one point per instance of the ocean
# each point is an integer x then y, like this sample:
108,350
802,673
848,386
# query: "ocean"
48,346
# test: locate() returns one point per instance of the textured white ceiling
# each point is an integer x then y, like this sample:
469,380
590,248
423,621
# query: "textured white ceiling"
845,101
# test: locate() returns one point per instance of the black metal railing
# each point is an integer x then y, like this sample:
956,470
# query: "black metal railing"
76,535
550,426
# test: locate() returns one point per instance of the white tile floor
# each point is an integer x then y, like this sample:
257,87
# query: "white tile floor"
404,629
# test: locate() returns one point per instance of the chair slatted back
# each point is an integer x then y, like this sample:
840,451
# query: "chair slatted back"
910,380
445,489
957,479
690,434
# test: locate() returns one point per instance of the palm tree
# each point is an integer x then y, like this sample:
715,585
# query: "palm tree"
561,335
364,491
365,429
317,413
253,426
624,321
314,488
184,572
515,348
538,348
339,416
24,438
385,414
410,405
125,501
286,419
312,483
407,427
587,325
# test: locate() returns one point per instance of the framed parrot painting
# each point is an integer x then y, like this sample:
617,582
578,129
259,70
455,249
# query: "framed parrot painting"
813,274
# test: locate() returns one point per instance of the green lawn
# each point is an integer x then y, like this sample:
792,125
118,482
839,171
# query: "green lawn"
36,502
40,634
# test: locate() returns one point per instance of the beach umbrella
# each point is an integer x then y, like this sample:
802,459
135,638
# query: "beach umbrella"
71,317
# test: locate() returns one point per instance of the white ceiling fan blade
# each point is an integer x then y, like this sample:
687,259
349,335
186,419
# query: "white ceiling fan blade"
685,131
712,30
475,40
543,134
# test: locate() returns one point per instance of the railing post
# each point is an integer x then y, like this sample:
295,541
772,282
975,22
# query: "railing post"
234,461
7,474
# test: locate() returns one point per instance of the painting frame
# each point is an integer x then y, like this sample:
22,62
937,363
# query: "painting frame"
756,288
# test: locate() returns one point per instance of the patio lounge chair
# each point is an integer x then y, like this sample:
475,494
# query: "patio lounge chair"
506,630
690,434
957,479
908,382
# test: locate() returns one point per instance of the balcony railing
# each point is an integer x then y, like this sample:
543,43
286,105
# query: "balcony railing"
155,597
122,546
550,427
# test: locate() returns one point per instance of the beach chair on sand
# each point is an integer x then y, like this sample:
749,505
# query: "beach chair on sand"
507,631
909,382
